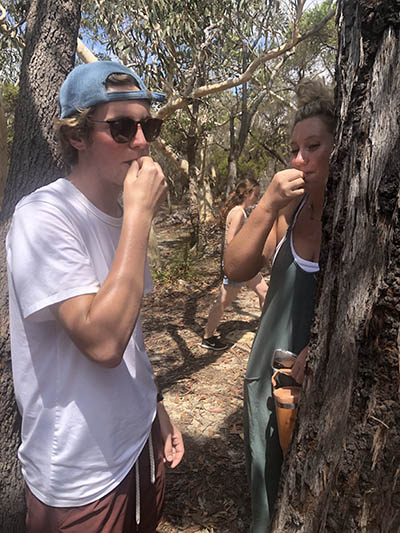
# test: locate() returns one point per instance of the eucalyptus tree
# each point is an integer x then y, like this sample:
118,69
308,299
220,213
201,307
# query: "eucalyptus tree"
264,104
249,98
317,55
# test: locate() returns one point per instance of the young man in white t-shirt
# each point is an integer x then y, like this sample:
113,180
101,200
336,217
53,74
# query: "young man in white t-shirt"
94,436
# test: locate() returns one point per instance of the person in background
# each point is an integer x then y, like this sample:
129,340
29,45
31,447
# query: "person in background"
285,226
95,433
233,213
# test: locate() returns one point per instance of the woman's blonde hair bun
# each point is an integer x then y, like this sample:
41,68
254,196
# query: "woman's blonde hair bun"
309,90
315,98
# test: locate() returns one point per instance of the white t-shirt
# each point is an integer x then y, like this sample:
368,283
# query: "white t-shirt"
83,426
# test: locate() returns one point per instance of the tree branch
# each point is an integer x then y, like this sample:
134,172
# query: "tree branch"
84,53
271,151
10,32
179,163
206,90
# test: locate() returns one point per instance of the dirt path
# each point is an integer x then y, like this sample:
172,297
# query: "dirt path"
203,392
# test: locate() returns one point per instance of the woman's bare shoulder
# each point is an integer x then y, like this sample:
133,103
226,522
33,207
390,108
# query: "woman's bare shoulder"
236,213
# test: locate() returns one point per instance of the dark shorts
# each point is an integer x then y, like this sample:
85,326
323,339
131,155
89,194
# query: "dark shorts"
113,513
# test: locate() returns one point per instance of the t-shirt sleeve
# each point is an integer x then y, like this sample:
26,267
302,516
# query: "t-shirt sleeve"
48,260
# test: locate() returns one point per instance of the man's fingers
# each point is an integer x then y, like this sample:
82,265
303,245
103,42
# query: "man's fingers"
168,450
173,449
177,459
178,451
133,170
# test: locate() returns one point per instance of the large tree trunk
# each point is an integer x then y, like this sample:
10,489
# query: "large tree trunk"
51,35
342,473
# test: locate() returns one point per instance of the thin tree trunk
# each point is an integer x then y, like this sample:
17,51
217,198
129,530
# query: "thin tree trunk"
237,143
3,148
206,197
342,473
51,34
193,177
233,157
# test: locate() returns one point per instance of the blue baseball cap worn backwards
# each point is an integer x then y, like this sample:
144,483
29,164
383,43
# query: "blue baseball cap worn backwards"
85,86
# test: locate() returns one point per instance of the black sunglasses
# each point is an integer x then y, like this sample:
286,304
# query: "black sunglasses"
124,129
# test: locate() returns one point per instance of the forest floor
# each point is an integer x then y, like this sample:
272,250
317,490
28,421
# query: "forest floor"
202,389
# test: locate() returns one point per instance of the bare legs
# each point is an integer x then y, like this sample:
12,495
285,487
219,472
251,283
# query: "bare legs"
226,296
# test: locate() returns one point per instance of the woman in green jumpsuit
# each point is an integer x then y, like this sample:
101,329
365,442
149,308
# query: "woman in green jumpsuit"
285,226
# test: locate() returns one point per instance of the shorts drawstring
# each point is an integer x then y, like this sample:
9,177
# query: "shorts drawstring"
152,476
137,493
152,461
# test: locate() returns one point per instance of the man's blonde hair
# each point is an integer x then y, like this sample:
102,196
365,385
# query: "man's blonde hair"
75,127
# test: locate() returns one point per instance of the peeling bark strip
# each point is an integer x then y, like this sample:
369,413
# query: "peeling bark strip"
51,34
343,470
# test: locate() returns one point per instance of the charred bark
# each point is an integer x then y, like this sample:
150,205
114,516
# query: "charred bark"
51,34
342,473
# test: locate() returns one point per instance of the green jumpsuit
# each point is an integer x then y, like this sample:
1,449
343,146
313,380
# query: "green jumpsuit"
285,323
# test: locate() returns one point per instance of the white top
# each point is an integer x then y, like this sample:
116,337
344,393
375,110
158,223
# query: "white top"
83,425
229,218
235,208
304,264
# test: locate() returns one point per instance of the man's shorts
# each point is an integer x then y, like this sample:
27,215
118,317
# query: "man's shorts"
114,513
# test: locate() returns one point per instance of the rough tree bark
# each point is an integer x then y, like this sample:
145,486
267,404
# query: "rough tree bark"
342,473
51,34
